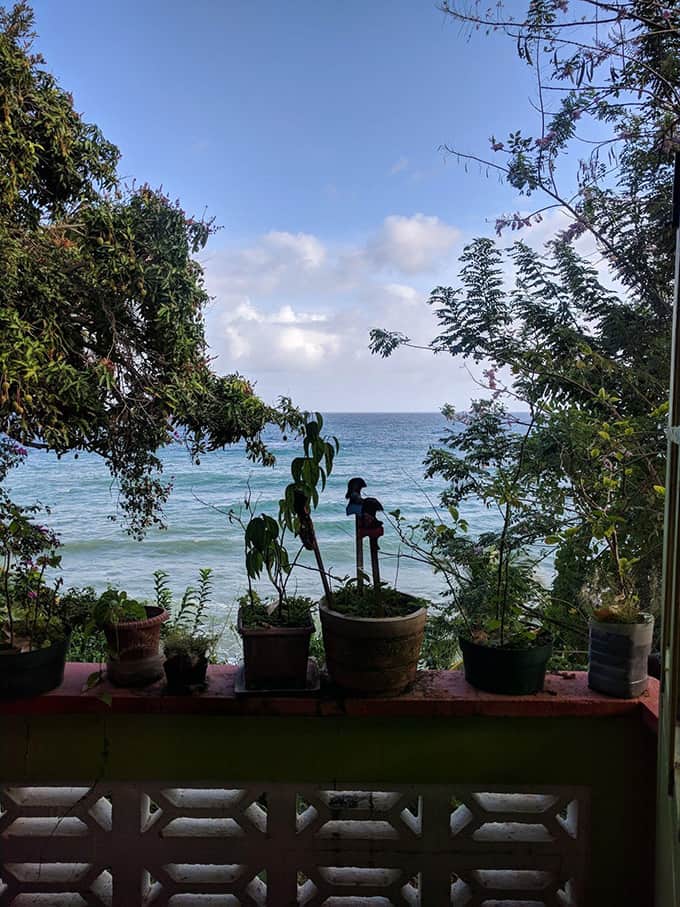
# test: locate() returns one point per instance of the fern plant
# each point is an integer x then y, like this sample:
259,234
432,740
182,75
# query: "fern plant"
185,632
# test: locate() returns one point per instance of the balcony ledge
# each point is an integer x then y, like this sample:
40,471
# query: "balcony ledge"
440,694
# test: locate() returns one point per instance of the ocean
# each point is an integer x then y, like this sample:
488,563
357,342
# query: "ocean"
386,449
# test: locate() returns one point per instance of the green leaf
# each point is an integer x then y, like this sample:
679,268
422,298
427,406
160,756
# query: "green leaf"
92,680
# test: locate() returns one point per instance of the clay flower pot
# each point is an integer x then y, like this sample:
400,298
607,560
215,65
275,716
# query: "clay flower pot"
275,658
134,649
372,655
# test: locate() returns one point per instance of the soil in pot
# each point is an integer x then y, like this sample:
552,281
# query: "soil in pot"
617,657
514,672
32,673
373,655
185,673
134,649
275,658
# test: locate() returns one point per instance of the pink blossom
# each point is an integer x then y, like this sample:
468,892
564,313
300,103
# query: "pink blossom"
32,594
545,141
490,376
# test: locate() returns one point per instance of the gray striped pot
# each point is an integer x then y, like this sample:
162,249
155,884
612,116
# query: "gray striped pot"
617,657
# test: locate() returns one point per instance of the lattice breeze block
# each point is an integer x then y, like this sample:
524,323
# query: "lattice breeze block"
123,845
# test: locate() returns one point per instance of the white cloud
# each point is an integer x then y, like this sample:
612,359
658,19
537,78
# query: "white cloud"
413,244
399,165
305,249
293,313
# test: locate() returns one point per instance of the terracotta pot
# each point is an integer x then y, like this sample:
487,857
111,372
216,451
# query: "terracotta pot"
373,655
275,658
617,657
32,673
514,672
134,649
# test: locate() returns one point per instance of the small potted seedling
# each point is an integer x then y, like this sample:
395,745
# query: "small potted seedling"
186,645
276,633
133,632
620,635
372,633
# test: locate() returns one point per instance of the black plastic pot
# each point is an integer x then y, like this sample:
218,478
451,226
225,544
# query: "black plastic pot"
515,672
32,673
185,673
275,658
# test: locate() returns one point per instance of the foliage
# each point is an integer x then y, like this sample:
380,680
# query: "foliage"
87,646
264,536
589,370
184,634
102,343
180,642
189,614
87,643
114,607
359,602
256,613
589,363
30,614
606,101
491,592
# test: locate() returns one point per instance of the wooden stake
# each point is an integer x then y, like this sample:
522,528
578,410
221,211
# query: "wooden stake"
360,553
324,577
375,569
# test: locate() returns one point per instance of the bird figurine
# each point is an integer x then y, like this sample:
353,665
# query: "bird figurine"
364,509
368,526
354,499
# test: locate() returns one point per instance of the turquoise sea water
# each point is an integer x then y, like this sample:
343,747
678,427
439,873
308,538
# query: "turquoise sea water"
387,449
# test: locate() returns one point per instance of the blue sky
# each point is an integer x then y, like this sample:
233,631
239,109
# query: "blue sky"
310,131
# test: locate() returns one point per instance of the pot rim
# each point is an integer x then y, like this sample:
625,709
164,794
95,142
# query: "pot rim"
504,650
274,631
159,618
64,643
374,620
647,618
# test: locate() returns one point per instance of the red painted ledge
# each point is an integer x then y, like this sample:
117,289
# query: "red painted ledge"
434,694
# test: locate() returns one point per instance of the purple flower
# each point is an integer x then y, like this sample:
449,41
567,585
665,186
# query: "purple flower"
32,594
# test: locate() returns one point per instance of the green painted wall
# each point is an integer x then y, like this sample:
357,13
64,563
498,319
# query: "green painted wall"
615,757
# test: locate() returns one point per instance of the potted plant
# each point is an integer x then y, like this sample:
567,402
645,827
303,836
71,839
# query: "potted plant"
372,634
494,603
620,635
186,645
133,631
34,626
504,645
276,632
